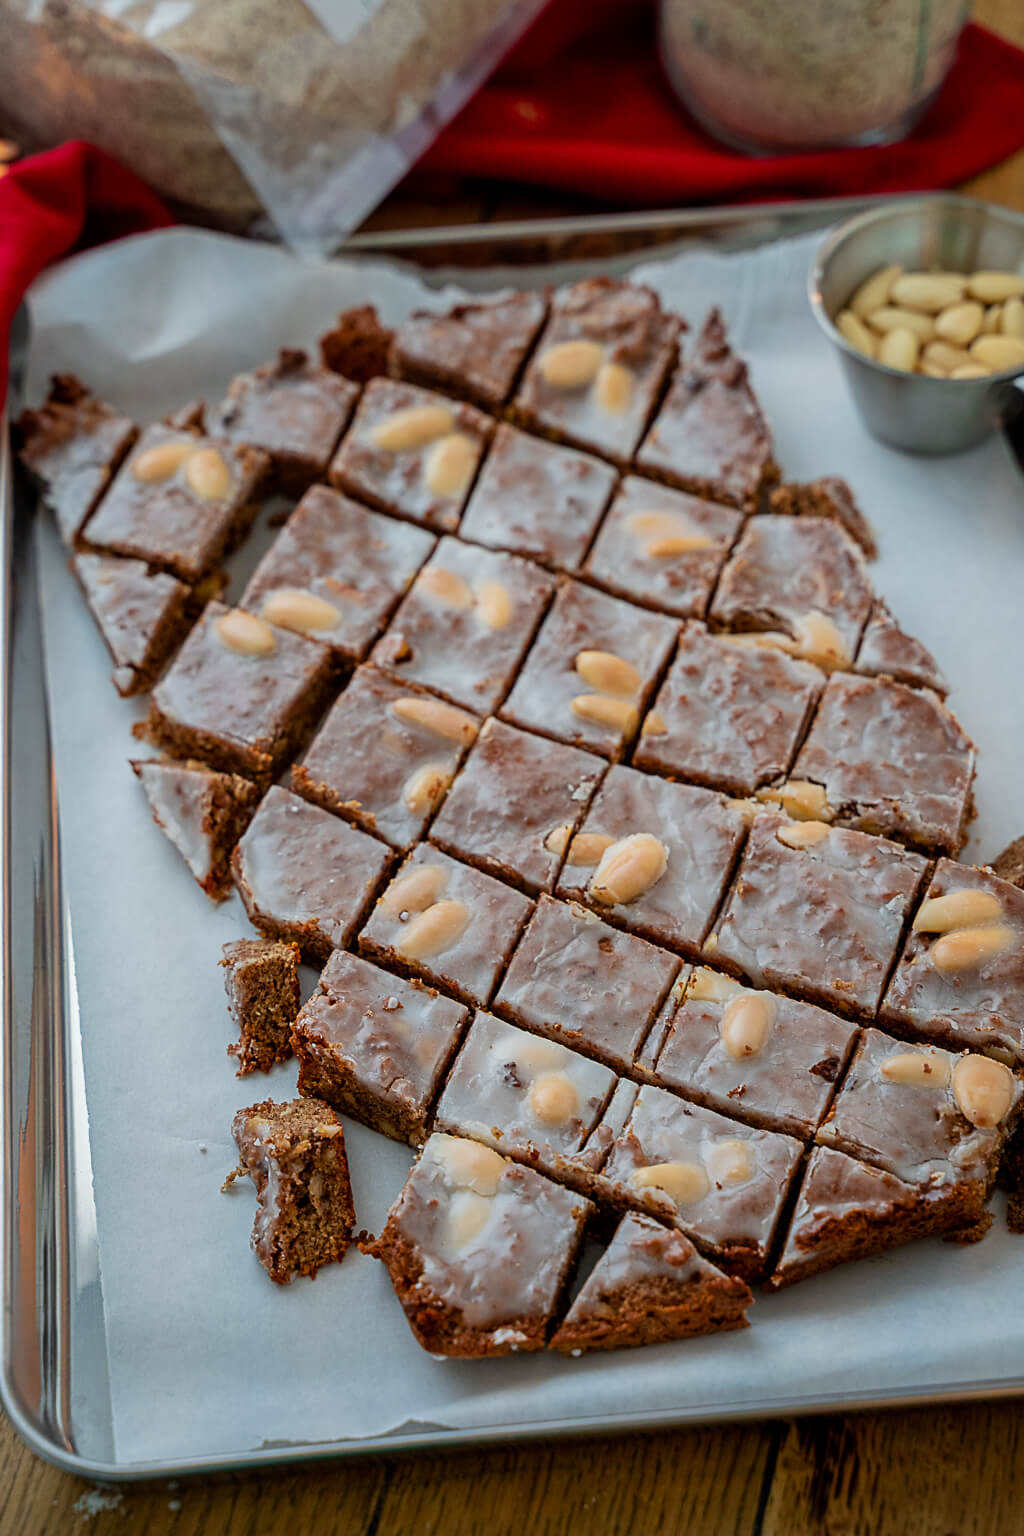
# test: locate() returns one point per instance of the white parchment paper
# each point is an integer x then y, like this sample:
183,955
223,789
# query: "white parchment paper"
206,1355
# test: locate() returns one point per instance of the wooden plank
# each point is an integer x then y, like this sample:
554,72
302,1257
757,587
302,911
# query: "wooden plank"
955,1470
706,1480
337,1499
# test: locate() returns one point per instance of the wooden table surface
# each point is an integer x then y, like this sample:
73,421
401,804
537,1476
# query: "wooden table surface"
930,1472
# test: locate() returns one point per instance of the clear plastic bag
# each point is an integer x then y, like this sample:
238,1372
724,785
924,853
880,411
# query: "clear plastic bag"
306,112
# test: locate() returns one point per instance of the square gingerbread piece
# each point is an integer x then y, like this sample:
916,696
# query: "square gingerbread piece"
577,980
465,624
710,436
295,1155
181,501
764,1058
662,548
530,1098
262,985
891,760
722,1183
475,351
293,410
802,580
384,757
539,499
818,911
729,714
412,453
960,980
452,925
479,1249
655,857
591,670
516,803
935,1120
72,445
598,369
241,695
336,571
305,875
376,1046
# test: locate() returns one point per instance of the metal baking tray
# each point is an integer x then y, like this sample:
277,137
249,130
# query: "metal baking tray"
54,1381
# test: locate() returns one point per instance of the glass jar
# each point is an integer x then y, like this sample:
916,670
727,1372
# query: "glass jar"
771,76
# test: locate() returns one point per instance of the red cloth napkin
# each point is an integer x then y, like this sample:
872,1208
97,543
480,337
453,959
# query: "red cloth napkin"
52,204
581,104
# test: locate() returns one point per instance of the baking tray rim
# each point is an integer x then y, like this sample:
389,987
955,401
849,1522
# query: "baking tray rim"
40,1040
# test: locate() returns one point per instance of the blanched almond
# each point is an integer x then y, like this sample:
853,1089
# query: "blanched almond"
818,639
451,464
994,287
684,1183
730,1161
998,352
614,387
628,868
916,1069
927,291
944,355
468,1164
654,725
245,633
657,524
413,427
494,604
434,931
747,1023
853,330
600,709
444,586
993,320
414,891
1011,321
533,1053
893,319
442,719
960,323
588,848
970,371
874,292
983,1089
898,348
678,544
159,463
557,840
707,986
553,1098
207,475
964,949
468,1214
961,908
802,834
571,364
799,798
424,788
296,609
607,673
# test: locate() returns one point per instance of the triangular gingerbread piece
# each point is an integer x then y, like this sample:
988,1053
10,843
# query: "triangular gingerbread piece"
204,813
650,1285
847,1210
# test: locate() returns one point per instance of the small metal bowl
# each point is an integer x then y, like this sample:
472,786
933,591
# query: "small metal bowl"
955,234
